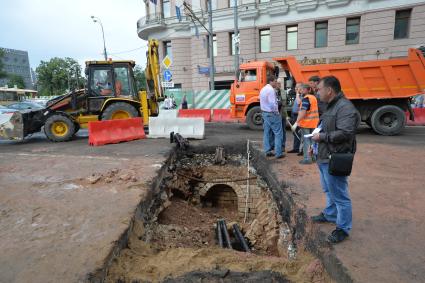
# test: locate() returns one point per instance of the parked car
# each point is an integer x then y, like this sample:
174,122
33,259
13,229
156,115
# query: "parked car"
25,105
6,110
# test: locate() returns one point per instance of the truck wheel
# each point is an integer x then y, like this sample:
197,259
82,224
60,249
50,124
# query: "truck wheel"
254,119
59,128
119,110
388,120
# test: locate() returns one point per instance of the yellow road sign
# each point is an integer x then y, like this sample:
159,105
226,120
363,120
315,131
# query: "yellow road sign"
167,62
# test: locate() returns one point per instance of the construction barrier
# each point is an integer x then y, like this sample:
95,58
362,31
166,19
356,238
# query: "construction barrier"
168,113
196,113
222,115
419,117
115,131
190,128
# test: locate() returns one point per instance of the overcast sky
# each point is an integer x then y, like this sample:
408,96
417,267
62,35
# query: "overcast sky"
59,28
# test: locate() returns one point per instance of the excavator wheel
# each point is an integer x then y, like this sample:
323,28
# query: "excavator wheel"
119,110
59,128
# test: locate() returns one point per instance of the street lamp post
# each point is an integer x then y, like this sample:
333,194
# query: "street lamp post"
97,20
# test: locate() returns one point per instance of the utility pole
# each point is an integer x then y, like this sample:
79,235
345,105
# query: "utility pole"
211,45
189,12
236,38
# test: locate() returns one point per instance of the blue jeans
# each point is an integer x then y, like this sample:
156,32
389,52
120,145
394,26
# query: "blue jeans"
272,125
338,203
307,143
283,136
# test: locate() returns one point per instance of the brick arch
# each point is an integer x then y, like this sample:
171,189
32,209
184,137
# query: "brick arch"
236,188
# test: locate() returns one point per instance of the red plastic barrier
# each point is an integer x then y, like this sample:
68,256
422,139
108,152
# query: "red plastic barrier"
196,113
115,131
419,117
222,115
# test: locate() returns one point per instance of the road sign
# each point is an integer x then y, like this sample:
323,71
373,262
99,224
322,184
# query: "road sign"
167,75
167,62
167,84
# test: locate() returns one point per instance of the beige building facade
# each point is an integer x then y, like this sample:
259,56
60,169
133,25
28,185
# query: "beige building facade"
314,31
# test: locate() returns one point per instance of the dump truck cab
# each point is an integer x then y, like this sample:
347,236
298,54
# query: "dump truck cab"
244,96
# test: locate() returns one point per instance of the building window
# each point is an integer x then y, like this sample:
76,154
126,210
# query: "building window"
402,21
352,34
166,8
264,1
167,49
265,40
291,37
214,46
232,44
321,34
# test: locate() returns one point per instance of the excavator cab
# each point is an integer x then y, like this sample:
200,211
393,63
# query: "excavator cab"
111,80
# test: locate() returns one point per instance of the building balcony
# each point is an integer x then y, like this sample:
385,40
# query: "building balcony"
150,23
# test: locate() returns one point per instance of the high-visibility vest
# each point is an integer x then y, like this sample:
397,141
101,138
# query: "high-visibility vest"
311,119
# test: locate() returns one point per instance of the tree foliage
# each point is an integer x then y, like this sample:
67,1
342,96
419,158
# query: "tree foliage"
58,75
3,74
16,80
139,75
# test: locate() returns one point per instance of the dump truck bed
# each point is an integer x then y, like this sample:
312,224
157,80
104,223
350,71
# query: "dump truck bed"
378,79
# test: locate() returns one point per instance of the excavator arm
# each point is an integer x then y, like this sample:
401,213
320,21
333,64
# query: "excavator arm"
152,72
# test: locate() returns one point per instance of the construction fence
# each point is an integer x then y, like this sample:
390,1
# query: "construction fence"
202,99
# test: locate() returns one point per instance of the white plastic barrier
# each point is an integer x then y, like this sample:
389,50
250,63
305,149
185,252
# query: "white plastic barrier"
190,128
170,113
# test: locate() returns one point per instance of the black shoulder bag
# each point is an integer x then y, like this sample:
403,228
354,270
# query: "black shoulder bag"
340,164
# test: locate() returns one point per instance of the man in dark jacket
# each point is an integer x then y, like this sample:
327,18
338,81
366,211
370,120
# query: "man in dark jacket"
338,123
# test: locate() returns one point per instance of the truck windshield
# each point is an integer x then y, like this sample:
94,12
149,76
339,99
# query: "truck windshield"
248,75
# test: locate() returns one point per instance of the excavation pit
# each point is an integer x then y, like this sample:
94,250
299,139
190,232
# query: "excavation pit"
173,238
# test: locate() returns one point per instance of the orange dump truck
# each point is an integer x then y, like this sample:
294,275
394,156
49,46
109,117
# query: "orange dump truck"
381,89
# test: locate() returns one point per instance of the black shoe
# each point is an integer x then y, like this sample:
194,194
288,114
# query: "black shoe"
319,218
338,235
306,162
280,156
300,153
269,154
293,151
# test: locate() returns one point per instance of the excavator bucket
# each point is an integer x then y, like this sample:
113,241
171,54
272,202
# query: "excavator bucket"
11,126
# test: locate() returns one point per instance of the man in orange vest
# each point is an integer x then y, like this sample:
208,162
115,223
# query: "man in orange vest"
307,120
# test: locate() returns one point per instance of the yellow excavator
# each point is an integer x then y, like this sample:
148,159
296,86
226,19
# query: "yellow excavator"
110,94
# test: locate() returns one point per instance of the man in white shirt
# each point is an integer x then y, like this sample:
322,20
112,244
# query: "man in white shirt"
272,121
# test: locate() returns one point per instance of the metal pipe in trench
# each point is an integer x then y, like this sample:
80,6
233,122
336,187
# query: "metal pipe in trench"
240,237
219,234
226,234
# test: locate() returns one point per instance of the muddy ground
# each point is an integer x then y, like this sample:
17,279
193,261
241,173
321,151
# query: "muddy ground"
58,221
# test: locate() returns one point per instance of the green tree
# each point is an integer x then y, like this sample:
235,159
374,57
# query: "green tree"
3,74
58,75
16,80
139,75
